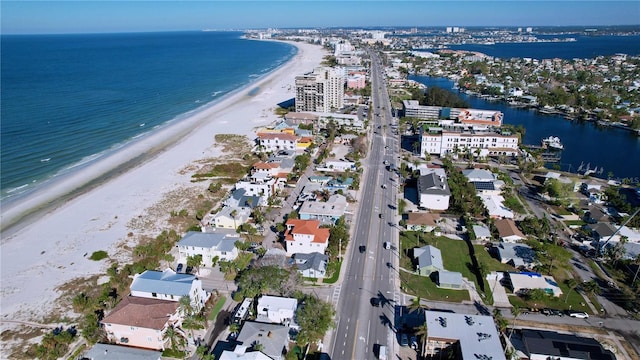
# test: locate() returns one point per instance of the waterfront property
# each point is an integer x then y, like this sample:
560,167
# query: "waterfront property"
108,352
444,141
320,91
209,246
167,285
141,322
481,119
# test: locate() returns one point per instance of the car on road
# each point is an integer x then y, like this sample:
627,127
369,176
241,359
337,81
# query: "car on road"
179,268
381,215
404,340
375,302
384,186
578,314
387,245
382,352
362,249
551,312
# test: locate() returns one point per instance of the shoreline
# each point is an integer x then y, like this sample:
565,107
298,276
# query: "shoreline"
53,192
44,237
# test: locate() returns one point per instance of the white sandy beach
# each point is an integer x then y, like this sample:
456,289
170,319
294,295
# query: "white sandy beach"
49,251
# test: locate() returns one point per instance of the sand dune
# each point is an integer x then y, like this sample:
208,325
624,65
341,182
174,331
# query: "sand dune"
48,249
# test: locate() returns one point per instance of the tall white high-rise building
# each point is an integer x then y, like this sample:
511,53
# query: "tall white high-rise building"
321,90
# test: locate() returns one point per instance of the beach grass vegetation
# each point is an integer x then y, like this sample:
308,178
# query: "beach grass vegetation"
99,255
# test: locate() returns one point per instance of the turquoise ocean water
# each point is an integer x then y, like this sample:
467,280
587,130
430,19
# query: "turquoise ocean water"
68,99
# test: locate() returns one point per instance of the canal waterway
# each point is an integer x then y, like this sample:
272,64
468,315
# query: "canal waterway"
613,150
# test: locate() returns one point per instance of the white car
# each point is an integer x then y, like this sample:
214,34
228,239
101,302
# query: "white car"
387,245
579,315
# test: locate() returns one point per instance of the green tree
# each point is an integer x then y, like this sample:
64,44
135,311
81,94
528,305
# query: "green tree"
571,284
194,261
174,338
314,317
591,287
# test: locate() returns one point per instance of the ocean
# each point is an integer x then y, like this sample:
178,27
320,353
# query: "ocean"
67,100
610,149
585,47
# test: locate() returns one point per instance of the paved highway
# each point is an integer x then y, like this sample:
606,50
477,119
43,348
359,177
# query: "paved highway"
361,327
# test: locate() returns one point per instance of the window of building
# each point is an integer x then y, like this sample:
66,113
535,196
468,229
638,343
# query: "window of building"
154,294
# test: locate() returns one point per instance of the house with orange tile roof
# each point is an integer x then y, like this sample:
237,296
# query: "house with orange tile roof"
305,237
141,322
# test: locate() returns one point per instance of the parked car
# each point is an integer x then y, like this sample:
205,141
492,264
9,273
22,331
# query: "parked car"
579,314
404,340
382,352
414,342
189,270
179,268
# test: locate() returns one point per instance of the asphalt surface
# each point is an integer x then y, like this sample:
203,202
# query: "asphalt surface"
362,328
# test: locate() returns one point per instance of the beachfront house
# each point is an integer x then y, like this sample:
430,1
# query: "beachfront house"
209,245
337,166
306,237
275,141
259,184
170,286
108,352
230,217
141,322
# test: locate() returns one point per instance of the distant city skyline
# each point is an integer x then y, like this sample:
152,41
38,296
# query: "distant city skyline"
38,17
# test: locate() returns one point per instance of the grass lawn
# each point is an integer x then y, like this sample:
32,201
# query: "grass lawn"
574,222
455,256
333,268
174,354
216,308
423,287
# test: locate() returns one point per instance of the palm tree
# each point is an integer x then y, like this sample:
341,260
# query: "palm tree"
422,331
186,306
234,328
233,215
500,321
416,305
571,284
591,287
175,338
515,311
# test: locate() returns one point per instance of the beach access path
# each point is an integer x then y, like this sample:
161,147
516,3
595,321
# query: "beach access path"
53,247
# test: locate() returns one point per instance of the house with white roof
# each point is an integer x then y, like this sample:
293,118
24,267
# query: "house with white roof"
468,336
482,232
433,192
258,184
337,166
306,237
168,285
240,353
209,245
276,310
495,207
312,265
524,281
326,212
480,175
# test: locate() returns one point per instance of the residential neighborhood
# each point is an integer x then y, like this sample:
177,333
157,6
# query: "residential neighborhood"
427,227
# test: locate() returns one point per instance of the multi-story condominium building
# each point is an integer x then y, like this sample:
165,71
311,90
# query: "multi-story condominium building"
442,141
321,90
273,142
306,237
453,116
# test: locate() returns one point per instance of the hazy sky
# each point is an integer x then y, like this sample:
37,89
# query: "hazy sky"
129,16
